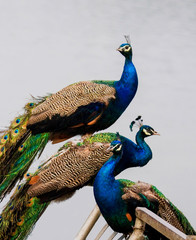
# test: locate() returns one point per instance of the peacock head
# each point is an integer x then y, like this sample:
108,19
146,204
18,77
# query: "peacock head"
125,49
147,131
116,147
144,130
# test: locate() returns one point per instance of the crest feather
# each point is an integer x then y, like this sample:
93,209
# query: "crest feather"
127,37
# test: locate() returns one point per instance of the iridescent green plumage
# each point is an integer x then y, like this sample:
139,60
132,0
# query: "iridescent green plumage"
181,219
16,131
101,137
18,149
13,172
20,215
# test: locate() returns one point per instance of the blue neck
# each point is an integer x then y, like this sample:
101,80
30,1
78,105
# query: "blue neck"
134,155
145,152
126,87
108,195
106,188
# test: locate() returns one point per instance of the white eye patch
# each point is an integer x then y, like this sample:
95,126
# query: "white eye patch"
126,49
146,132
119,148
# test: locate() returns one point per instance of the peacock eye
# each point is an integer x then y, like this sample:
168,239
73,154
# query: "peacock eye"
6,137
17,120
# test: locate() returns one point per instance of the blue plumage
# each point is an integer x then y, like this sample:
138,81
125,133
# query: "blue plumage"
108,191
135,154
125,88
118,199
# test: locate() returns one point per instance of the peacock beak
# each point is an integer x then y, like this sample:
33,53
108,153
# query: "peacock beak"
119,49
155,133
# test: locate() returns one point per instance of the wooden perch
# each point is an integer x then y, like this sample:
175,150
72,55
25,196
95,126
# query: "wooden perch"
138,230
88,225
161,225
102,231
143,217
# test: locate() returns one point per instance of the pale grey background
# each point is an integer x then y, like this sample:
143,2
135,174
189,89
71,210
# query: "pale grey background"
46,45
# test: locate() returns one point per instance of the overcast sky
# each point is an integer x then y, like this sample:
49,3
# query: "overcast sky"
46,45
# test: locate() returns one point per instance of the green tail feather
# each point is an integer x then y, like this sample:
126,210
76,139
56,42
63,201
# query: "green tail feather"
10,139
188,229
20,215
23,159
18,149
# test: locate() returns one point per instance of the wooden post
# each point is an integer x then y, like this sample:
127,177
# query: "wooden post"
112,236
138,230
102,231
88,225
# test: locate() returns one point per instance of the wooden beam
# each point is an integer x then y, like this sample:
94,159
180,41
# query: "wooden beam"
159,224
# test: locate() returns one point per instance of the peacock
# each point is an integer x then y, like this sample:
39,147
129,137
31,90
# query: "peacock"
118,199
79,109
74,166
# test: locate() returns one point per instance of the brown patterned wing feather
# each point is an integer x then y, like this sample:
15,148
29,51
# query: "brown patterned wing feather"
162,205
70,170
79,104
167,212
